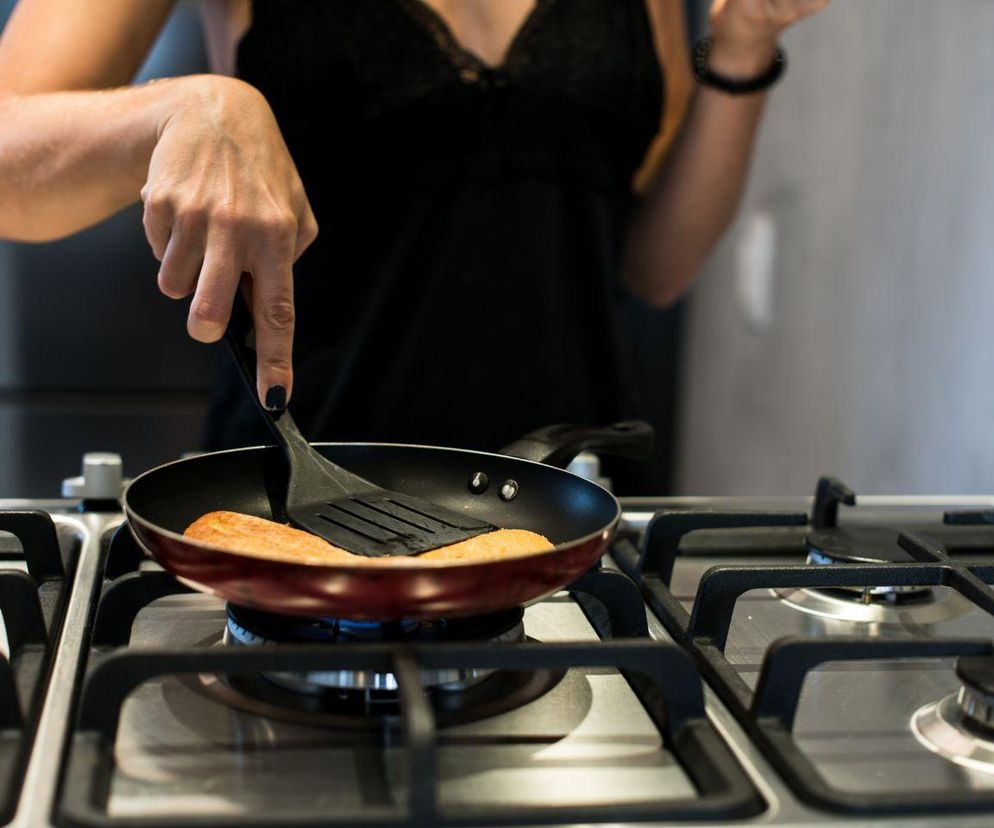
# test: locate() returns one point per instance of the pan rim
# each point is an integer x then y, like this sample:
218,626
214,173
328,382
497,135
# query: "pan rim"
132,515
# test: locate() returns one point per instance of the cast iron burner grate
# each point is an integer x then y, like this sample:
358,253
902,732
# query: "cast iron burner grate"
883,604
768,714
32,604
662,676
825,543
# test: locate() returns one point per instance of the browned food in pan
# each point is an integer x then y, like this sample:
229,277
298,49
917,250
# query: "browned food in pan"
260,538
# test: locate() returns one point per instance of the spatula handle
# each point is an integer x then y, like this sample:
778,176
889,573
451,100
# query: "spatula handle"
303,459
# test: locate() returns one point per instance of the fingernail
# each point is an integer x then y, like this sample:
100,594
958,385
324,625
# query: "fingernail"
276,399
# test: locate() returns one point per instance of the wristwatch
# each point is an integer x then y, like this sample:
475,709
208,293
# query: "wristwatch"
702,69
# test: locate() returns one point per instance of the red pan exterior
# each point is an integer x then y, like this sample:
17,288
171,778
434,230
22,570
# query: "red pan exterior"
370,593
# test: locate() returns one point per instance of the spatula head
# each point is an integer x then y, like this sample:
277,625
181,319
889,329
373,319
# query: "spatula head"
382,522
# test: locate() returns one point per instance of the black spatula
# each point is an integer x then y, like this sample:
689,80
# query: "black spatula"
346,510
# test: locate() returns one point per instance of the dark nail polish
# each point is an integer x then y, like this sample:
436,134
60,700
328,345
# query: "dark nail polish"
276,399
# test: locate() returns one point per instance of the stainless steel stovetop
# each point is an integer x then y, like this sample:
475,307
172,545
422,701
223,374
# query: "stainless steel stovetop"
192,747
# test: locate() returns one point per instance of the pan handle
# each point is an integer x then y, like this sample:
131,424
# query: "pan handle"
557,445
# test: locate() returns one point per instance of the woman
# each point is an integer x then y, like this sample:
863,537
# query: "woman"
472,165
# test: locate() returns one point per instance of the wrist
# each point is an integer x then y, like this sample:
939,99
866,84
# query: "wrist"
146,109
210,95
726,80
741,60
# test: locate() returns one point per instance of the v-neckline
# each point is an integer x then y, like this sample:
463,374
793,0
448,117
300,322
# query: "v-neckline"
444,37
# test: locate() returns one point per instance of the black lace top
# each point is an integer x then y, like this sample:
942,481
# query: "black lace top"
464,285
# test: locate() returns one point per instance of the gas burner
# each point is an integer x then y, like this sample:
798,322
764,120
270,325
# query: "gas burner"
864,545
921,605
829,543
855,544
355,699
922,608
495,693
249,627
961,727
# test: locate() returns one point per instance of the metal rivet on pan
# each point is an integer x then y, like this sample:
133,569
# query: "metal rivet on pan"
478,483
509,490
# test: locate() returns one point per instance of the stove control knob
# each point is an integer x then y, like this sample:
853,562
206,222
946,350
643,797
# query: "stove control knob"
102,478
976,696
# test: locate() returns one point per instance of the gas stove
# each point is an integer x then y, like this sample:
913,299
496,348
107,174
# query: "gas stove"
756,661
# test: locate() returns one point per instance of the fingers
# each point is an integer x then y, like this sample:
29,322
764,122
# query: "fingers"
223,197
782,12
786,12
273,311
758,24
210,264
307,230
215,291
811,6
157,220
181,262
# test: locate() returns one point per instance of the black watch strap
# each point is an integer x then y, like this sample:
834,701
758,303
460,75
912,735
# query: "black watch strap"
702,69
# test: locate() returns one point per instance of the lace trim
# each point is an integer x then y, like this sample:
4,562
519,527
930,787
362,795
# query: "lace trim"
438,29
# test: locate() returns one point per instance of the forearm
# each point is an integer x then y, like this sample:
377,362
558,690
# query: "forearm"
694,196
70,159
695,193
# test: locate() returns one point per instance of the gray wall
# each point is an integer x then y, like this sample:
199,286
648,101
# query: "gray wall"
92,357
846,324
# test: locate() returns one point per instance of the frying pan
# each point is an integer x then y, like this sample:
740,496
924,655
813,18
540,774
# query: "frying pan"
526,489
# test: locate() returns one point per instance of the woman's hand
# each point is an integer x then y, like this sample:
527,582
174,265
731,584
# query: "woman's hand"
223,197
692,198
745,32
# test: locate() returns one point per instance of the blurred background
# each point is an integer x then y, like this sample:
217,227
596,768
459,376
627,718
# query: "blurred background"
842,327
845,325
